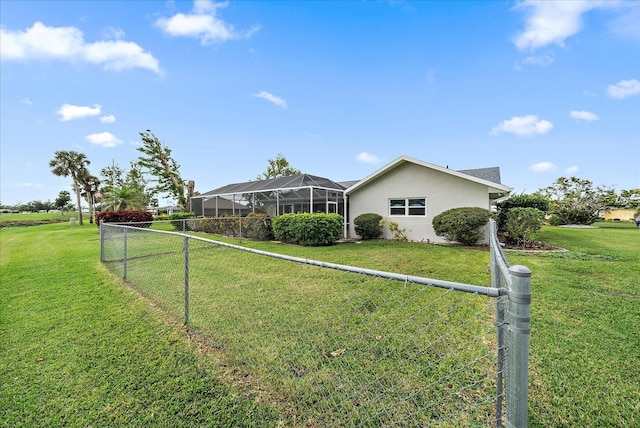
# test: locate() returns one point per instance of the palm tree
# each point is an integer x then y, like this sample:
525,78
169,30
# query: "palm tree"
123,198
67,163
89,184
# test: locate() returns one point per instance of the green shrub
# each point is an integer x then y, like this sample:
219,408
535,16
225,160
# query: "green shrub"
523,224
398,233
554,220
463,225
204,224
308,229
227,225
253,226
257,226
139,218
368,226
178,220
519,201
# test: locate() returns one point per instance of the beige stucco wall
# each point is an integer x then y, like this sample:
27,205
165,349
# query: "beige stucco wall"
620,213
441,190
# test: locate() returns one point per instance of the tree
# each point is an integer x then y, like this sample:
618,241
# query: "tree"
156,159
629,198
89,184
62,201
278,167
124,193
67,163
575,201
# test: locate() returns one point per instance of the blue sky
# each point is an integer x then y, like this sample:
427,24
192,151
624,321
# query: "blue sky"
540,89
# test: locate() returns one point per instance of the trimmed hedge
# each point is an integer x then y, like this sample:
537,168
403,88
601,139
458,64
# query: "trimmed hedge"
257,226
308,229
519,201
139,218
368,225
178,220
463,225
253,226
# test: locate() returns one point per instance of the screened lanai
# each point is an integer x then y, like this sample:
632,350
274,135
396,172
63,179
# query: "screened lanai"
302,193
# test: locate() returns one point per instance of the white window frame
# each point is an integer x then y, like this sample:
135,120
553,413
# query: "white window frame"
408,208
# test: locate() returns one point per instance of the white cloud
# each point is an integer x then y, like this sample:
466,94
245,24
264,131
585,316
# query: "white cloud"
203,24
104,139
272,98
70,112
30,185
541,60
583,115
26,101
627,23
67,44
113,33
552,22
543,167
365,157
572,170
108,119
624,89
523,126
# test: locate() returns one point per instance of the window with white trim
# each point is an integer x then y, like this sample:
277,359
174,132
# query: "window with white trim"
408,207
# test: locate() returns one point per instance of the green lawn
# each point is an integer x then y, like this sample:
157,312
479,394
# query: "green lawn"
33,219
585,345
79,349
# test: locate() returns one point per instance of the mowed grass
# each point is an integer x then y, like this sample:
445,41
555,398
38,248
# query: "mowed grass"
336,348
585,363
585,332
79,349
33,219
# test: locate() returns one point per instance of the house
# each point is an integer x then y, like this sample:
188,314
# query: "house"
411,193
407,191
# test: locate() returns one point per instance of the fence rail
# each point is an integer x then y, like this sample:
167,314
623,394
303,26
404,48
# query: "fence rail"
339,345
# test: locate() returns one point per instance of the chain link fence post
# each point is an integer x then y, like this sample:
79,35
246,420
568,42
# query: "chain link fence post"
186,279
519,320
101,242
124,275
496,282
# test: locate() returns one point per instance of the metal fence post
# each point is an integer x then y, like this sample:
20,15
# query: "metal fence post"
496,282
101,243
519,320
500,327
186,279
124,275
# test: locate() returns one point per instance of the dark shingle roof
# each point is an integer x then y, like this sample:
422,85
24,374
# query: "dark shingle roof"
491,174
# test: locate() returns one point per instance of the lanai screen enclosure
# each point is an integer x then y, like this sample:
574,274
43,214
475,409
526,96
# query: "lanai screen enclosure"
302,193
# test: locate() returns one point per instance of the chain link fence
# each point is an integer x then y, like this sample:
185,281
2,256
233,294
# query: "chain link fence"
335,345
